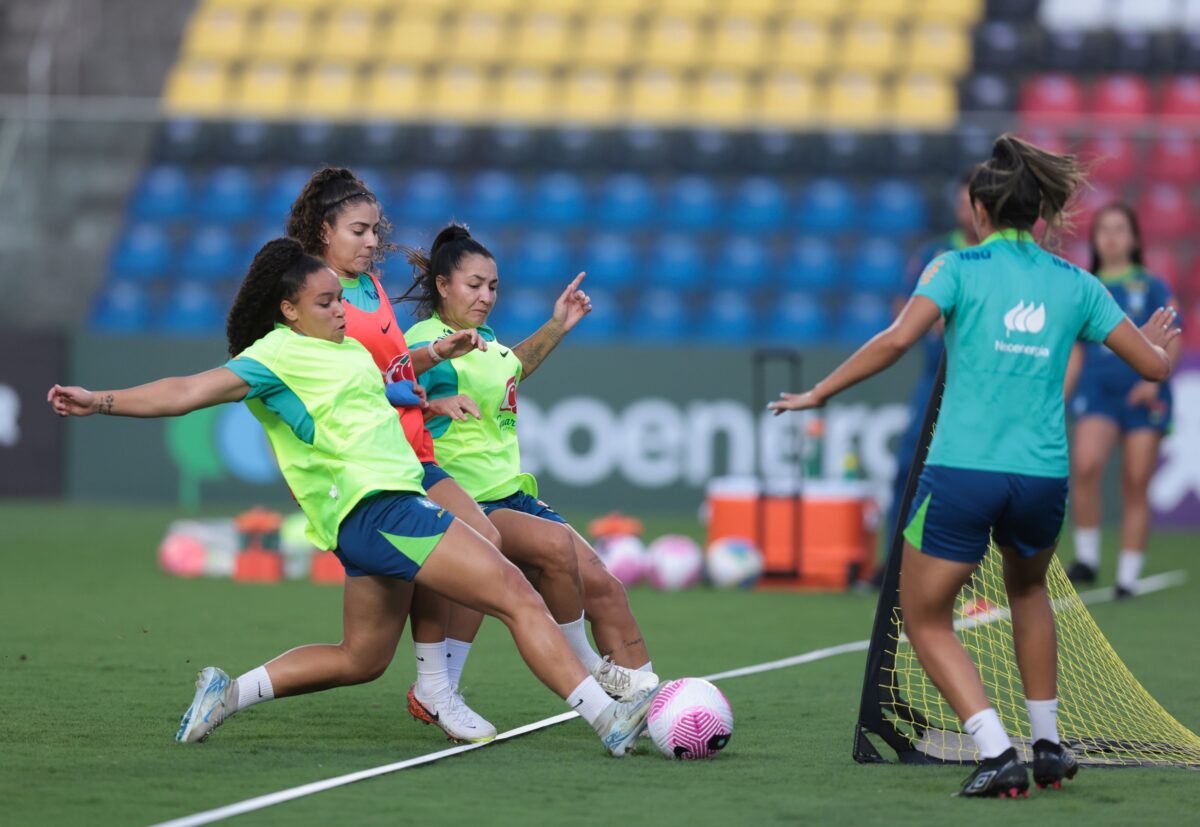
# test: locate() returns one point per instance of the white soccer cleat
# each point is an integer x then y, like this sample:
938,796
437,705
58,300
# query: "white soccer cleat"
454,717
620,723
622,684
215,700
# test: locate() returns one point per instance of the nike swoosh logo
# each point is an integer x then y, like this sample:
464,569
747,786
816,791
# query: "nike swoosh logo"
578,704
386,328
260,691
420,658
503,353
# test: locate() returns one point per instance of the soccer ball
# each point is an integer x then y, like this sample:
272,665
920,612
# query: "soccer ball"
675,562
625,556
690,719
733,562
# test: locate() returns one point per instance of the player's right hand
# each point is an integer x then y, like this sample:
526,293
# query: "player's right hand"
71,400
1162,327
458,408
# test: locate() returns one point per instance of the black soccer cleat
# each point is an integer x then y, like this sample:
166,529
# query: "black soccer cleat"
1052,764
1123,593
1001,777
1081,573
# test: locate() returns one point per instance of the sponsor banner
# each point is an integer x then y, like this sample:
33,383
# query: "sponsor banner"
1175,490
32,440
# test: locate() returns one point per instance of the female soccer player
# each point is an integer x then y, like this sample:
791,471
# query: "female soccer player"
1112,402
455,289
344,456
337,218
997,466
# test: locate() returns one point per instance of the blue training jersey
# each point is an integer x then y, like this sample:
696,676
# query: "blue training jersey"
1139,294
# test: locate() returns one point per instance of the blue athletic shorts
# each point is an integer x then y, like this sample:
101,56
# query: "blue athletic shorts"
434,474
1091,402
390,534
956,511
526,504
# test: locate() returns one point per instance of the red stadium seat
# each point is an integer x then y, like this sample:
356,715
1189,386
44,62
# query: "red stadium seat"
1048,138
1090,201
1175,157
1120,97
1181,98
1164,212
1162,261
1051,96
1112,155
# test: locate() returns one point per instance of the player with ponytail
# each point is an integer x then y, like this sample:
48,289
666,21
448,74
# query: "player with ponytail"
997,466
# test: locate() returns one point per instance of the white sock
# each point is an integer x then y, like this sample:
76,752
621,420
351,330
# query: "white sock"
254,687
1087,546
456,659
1043,720
988,732
576,635
1129,568
433,679
648,666
589,700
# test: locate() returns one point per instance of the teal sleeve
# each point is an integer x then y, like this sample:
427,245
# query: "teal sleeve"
439,381
1102,314
939,283
274,395
261,379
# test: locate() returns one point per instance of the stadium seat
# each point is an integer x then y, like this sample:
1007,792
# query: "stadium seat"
863,315
1112,155
709,149
211,254
878,266
542,260
477,38
894,207
1073,14
284,34
414,38
912,152
984,92
1175,157
923,101
606,41
646,147
827,205
867,47
395,90
1075,51
1186,51
797,318
198,87
671,42
721,99
973,144
999,47
460,93
348,35
164,193
496,7
121,308
228,194
728,317
1144,15
610,260
1119,97
590,96
1051,96
1138,52
855,100
329,90
265,89
656,96
185,139
758,10
787,99
558,199
962,12
844,152
678,261
493,197
217,32
525,94
692,203
1181,98
282,192
191,310
427,198
1164,212
249,140
739,43
811,264
544,40
826,11
743,261
381,141
142,253
803,45
605,322
662,317
519,311
889,11
626,201
938,49
759,205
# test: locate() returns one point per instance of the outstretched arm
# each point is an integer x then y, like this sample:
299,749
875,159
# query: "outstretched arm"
449,347
571,306
1148,350
881,352
166,397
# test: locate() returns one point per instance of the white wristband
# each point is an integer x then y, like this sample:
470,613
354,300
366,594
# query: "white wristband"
434,355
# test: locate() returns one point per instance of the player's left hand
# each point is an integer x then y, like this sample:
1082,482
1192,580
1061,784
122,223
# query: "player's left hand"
1143,394
572,305
460,344
796,402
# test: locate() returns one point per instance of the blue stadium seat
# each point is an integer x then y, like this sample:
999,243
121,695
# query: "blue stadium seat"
191,310
845,152
693,203
541,260
519,312
603,324
427,197
895,207
511,146
797,318
164,193
729,317
642,147
377,182
911,152
493,197
558,200
382,142
678,261
316,142
777,151
228,194
828,205
142,253
260,235
577,147
610,261
812,263
282,192
743,261
626,201
211,254
863,315
878,265
759,204
447,144
711,150
250,141
662,317
183,139
122,307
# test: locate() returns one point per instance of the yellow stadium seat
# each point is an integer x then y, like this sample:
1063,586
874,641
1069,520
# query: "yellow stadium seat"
283,34
620,8
738,43
590,96
606,41
396,92
755,9
365,5
825,10
721,98
266,88
924,101
197,87
543,40
937,48
423,7
881,11
348,35
692,9
787,99
867,46
525,94
855,100
307,6
477,38
413,38
671,43
949,11
499,7
554,6
803,45
217,33
330,90
656,96
460,93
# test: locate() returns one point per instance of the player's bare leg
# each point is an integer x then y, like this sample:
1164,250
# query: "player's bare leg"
606,605
1140,449
1091,446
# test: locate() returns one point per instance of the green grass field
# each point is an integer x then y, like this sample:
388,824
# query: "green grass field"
98,651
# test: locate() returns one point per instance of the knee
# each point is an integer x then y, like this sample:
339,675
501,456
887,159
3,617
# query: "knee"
490,533
517,595
557,555
602,588
1088,472
1134,485
364,667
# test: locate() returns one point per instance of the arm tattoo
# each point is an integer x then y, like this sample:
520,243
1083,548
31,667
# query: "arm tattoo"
105,405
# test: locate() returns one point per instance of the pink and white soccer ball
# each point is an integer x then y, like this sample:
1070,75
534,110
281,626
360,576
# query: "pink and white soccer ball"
676,562
690,719
733,561
625,556
182,555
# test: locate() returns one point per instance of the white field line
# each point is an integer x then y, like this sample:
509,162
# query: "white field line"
1147,585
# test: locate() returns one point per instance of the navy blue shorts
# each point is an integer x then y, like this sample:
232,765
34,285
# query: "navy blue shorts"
957,511
391,534
1091,402
434,474
524,503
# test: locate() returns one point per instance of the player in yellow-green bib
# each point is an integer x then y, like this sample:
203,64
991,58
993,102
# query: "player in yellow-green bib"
455,287
997,466
321,399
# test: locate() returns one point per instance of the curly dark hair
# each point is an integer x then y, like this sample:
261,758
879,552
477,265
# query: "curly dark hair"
449,247
278,272
326,195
